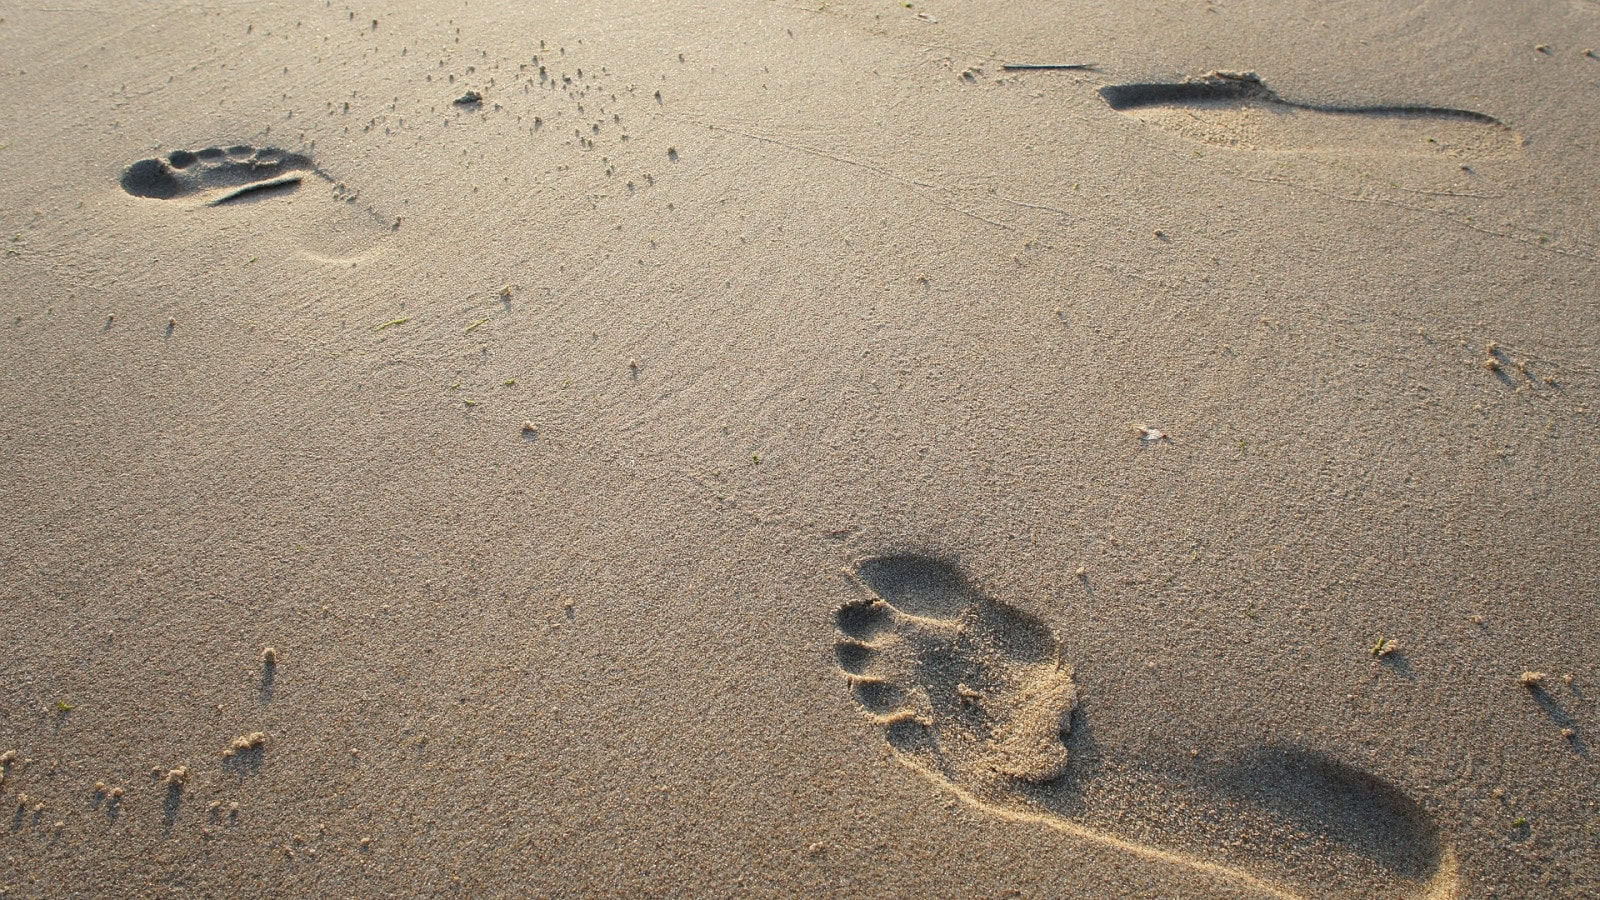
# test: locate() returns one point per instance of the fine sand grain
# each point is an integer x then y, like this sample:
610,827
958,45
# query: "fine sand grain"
752,449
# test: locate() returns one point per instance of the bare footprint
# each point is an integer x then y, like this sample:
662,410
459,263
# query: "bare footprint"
340,234
215,176
974,695
1237,109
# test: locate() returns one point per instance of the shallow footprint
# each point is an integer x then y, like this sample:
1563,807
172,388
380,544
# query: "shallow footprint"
1237,109
973,694
215,176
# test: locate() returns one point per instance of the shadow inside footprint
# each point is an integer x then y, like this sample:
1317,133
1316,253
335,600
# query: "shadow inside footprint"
216,175
917,585
1332,802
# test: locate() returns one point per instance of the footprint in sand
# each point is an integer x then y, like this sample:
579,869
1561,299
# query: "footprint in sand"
1237,109
342,234
974,695
216,176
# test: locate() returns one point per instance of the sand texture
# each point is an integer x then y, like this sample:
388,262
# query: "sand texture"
777,449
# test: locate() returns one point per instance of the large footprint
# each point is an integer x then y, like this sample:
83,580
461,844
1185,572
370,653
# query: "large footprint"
215,176
974,695
1237,109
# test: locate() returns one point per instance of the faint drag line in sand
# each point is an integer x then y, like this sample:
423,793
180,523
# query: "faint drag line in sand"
861,28
918,187
1588,254
1427,193
101,42
822,153
1027,205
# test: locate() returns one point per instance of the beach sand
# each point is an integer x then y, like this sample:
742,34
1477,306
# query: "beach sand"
772,449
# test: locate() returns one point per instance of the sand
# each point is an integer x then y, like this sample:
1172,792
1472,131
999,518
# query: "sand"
772,449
